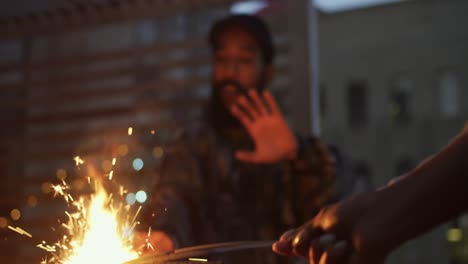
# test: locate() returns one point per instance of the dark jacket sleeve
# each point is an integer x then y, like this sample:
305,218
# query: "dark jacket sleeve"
313,179
174,203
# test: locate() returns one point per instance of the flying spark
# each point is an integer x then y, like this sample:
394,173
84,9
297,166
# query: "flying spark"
20,231
78,160
198,259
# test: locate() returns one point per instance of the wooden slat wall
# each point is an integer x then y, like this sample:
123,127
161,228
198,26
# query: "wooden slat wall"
63,17
64,106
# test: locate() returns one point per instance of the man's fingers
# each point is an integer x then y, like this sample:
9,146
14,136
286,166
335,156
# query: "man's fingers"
243,118
319,246
284,245
301,241
288,235
325,251
283,248
247,156
245,105
324,259
257,102
315,252
271,102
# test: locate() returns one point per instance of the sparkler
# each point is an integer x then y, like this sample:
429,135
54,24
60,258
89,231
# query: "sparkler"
94,226
97,224
98,235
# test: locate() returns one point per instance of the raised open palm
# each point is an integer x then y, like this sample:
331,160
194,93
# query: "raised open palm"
273,139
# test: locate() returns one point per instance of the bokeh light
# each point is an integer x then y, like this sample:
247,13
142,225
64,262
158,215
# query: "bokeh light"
79,184
106,165
454,235
3,222
15,214
46,187
32,201
130,198
122,150
61,174
158,152
141,196
137,164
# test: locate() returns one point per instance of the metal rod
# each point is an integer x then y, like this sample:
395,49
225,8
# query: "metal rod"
202,250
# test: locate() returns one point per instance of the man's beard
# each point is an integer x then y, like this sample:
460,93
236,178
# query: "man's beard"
219,115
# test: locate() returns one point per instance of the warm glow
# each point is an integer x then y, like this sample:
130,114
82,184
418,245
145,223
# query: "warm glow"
99,231
102,241
100,225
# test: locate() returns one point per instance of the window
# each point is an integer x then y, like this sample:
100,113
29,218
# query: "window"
449,93
400,100
357,103
362,181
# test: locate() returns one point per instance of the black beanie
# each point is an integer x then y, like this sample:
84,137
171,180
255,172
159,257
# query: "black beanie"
252,25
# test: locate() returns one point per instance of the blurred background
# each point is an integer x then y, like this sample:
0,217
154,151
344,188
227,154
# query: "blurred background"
383,80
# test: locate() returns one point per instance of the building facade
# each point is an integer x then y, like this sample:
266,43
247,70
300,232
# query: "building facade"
393,89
